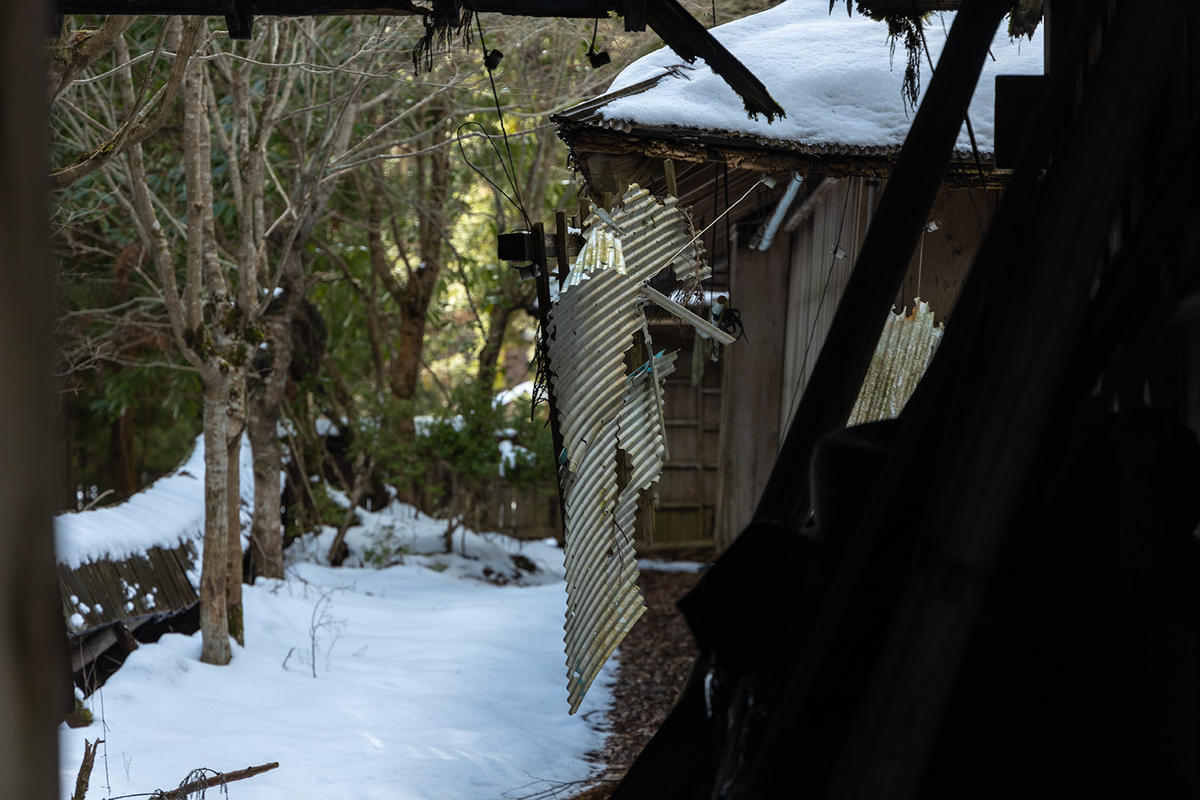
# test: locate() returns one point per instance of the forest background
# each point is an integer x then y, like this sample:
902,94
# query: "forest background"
292,238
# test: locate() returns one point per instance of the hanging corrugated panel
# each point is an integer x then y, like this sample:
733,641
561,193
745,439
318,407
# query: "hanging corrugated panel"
905,349
602,408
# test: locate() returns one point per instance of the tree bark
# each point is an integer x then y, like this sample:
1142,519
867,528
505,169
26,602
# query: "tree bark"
123,463
214,620
266,532
489,356
433,178
233,505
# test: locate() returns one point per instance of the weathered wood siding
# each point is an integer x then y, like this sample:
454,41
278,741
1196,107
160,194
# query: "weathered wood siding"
936,273
818,278
523,513
752,385
687,490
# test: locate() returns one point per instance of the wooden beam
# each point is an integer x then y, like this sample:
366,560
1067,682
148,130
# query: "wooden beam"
700,324
634,12
239,19
699,148
882,261
669,174
577,9
560,247
1005,384
690,40
906,7
542,281
33,657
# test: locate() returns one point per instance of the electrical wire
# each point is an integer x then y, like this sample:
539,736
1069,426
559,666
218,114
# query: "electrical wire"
510,171
458,135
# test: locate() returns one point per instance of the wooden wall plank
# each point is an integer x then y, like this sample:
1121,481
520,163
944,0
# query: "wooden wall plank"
752,389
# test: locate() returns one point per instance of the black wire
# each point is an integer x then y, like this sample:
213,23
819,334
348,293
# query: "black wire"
487,137
966,118
511,175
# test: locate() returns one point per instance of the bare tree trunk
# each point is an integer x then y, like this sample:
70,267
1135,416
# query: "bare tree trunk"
122,471
489,356
265,408
433,178
32,658
266,535
214,620
233,505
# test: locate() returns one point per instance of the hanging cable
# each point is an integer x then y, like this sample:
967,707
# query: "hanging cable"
966,117
491,59
458,135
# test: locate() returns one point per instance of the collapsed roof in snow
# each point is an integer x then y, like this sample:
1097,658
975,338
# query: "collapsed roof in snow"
833,74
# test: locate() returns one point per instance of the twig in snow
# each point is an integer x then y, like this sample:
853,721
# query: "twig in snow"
85,769
199,781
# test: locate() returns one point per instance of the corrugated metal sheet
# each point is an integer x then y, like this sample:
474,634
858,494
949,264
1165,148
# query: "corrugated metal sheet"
905,349
602,408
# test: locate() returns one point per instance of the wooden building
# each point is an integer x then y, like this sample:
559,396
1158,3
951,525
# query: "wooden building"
999,597
724,434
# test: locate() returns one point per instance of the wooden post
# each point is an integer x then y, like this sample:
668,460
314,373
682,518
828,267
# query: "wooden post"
672,186
560,246
33,655
543,295
882,262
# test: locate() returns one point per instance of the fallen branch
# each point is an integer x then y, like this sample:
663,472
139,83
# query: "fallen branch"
85,769
216,779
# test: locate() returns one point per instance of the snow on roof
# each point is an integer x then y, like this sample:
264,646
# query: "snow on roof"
834,75
165,514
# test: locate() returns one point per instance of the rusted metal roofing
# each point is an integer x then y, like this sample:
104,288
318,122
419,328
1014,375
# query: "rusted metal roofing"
602,407
905,349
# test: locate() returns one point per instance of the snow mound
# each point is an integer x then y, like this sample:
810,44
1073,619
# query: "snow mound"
399,534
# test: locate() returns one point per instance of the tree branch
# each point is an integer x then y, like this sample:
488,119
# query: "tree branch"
216,779
87,47
134,132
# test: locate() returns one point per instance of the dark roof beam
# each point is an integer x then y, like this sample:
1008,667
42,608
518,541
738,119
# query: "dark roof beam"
581,9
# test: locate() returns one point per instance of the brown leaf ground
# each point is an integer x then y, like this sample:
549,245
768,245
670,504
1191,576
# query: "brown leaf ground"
654,661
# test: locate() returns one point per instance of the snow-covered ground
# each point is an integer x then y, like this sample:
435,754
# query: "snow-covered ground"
437,676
